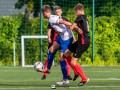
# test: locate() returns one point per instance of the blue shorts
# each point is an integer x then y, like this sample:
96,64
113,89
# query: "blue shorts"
64,43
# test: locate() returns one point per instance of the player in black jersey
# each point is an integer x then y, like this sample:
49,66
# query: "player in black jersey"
82,44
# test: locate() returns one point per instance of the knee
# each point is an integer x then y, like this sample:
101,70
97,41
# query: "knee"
61,59
67,53
73,63
52,50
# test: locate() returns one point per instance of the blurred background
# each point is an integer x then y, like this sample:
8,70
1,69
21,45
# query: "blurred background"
24,17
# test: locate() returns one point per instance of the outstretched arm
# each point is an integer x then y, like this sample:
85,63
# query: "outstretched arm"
66,23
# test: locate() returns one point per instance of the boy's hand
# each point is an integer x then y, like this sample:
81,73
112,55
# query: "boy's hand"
49,40
74,40
72,26
79,31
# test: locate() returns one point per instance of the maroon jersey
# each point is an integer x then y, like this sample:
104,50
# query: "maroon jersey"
54,33
82,23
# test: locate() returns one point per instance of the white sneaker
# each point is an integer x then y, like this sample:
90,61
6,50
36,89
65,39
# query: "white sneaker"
62,82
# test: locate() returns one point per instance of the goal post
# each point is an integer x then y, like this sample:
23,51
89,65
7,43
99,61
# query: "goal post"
23,47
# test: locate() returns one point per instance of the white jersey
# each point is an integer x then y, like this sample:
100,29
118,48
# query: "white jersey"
64,32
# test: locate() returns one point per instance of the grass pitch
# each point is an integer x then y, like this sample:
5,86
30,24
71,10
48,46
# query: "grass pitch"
18,78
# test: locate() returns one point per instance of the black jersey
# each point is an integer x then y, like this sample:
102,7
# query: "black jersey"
82,23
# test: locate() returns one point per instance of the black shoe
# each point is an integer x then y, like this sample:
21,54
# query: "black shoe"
43,77
83,82
69,78
75,77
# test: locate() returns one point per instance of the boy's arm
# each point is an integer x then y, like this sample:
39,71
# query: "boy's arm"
49,35
66,23
76,28
49,32
74,39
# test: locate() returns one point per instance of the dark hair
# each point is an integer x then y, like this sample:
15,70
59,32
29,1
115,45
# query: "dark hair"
57,7
46,8
79,6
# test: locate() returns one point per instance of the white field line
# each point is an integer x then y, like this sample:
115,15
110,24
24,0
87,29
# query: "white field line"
70,87
115,79
101,79
91,79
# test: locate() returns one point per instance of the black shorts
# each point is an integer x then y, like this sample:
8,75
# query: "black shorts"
78,49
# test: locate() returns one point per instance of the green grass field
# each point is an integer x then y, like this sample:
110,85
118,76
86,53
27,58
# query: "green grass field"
17,78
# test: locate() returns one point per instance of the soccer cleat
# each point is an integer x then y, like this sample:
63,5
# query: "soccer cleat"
69,78
43,77
75,77
62,82
83,82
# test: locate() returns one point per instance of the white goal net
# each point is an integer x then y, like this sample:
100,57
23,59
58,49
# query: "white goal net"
23,48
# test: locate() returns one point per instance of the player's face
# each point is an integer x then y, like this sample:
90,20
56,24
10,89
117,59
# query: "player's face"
46,14
58,12
78,12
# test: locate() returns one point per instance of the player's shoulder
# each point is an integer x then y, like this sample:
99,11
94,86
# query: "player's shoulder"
53,18
81,18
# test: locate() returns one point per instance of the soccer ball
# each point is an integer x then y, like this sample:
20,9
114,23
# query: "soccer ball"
38,66
53,86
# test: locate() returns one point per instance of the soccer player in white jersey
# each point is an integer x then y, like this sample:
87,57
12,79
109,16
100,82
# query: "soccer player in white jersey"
61,43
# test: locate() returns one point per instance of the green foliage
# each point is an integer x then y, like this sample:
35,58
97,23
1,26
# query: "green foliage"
107,40
8,32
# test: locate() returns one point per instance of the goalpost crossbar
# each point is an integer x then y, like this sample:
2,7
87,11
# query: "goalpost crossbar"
23,48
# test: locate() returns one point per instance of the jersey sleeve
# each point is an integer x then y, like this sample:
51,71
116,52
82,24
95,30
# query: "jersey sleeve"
49,26
54,19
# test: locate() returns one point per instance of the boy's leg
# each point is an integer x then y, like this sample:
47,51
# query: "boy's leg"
79,70
51,54
75,72
77,54
46,63
63,47
67,55
68,70
64,71
45,74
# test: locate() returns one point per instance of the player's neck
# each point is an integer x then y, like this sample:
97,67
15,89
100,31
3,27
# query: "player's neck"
81,14
49,16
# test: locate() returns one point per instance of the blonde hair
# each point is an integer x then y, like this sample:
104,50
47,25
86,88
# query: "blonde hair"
79,6
57,7
46,8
